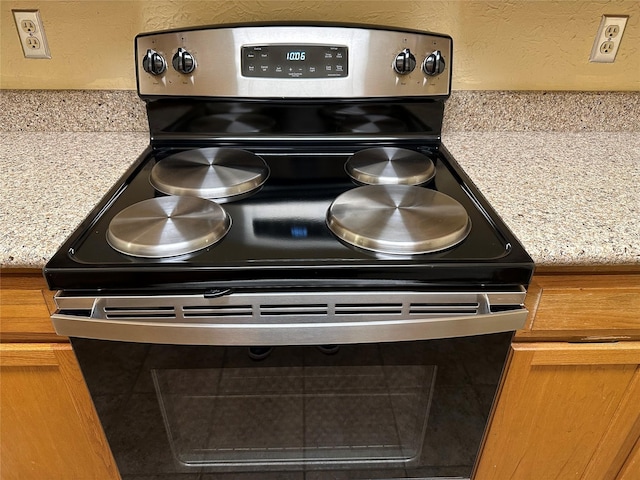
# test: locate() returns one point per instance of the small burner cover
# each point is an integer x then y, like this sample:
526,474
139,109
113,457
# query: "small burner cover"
390,166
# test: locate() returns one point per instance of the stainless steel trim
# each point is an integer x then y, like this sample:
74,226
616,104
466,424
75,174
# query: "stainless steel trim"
218,72
289,318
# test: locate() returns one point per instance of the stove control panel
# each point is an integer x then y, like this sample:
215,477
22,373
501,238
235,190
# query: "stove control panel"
294,61
286,61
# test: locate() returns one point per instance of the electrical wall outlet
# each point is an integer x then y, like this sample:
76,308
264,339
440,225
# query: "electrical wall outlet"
608,38
31,33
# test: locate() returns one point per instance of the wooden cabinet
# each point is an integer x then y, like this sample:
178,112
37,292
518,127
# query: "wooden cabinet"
569,403
48,424
565,411
583,308
26,307
631,467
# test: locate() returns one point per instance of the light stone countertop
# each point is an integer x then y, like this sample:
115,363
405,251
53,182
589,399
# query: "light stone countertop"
571,198
50,182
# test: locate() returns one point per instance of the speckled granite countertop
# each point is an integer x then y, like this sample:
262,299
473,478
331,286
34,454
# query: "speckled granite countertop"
571,198
571,194
50,182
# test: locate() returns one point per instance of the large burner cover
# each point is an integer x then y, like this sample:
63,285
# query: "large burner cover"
167,227
222,174
390,166
398,219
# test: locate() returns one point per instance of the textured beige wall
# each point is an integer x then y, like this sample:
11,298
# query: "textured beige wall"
499,45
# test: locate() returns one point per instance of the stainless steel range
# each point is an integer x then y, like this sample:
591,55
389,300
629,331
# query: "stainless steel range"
295,276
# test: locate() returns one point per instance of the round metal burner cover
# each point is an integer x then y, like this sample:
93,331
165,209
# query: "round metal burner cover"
167,226
398,219
216,173
390,166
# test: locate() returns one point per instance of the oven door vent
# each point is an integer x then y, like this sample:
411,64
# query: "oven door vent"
295,310
290,318
470,308
204,311
139,311
368,309
271,310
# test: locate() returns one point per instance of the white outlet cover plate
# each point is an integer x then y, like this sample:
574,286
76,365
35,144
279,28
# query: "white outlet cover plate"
31,36
604,55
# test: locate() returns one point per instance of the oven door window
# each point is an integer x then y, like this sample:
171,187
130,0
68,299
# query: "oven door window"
270,417
388,410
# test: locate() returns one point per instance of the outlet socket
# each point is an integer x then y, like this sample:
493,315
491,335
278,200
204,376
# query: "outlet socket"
31,33
607,46
607,42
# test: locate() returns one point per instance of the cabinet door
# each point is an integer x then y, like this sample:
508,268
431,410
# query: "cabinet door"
48,424
564,411
631,468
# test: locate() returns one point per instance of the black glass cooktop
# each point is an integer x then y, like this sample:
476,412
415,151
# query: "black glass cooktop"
279,236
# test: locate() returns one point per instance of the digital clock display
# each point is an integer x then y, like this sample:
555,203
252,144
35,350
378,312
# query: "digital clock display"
294,55
294,61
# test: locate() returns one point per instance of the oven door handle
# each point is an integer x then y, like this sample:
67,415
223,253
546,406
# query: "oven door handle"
239,319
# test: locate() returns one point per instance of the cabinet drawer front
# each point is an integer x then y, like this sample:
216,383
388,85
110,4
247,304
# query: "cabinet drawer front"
584,307
557,354
26,307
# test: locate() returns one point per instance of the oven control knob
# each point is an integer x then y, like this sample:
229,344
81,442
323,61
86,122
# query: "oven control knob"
433,64
405,62
154,63
183,61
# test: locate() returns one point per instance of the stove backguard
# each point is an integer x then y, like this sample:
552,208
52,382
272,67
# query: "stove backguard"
293,121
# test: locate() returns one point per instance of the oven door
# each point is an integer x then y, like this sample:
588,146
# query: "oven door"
383,410
389,410
339,384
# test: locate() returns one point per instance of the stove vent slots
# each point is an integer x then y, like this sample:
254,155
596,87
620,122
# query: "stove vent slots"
187,308
199,311
150,311
368,309
471,308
